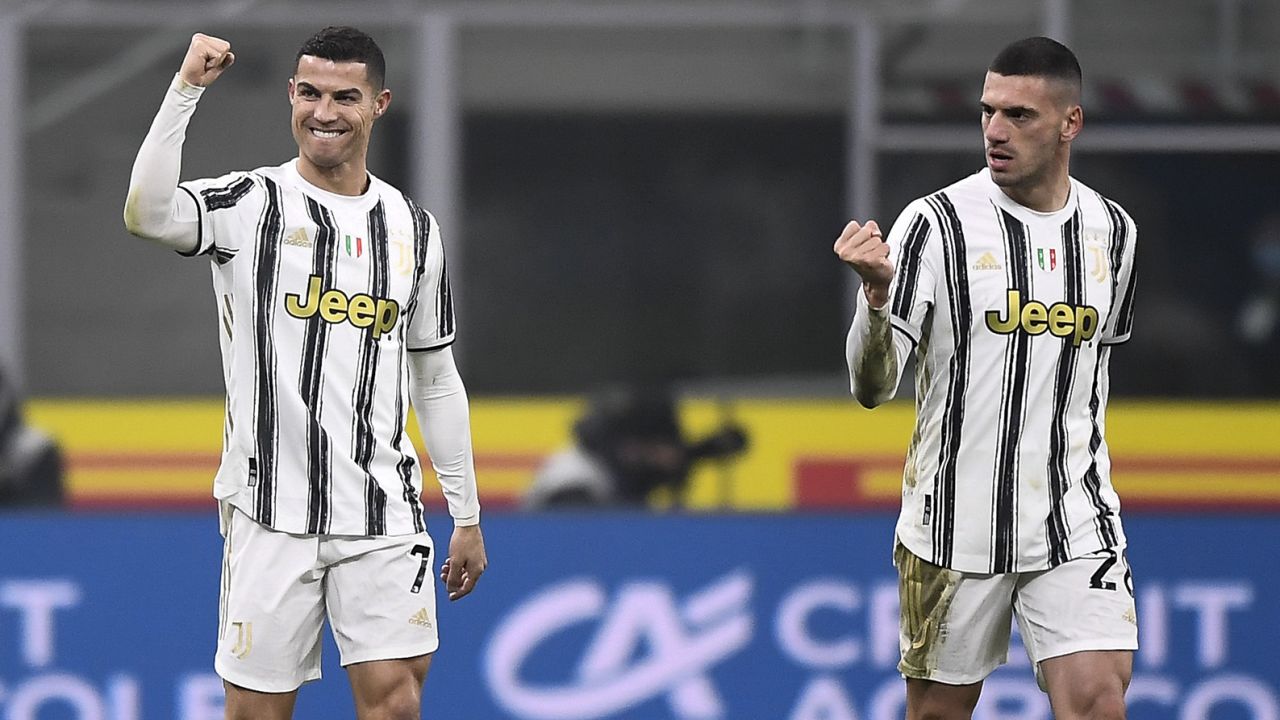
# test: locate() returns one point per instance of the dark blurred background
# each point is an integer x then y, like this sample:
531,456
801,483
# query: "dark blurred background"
639,200
645,191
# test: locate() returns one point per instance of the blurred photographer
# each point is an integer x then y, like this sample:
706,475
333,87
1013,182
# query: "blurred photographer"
30,463
627,445
1258,318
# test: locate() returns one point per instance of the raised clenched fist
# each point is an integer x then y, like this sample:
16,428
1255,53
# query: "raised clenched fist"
206,58
864,249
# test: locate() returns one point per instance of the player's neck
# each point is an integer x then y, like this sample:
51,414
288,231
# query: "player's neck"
349,178
1044,197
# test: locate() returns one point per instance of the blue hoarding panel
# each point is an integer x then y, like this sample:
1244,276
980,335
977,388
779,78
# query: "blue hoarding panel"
609,616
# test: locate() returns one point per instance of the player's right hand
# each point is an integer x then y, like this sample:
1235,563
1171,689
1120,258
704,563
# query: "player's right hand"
863,248
207,57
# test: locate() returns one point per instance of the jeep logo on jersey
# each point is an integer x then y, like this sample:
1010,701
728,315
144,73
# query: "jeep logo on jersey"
644,644
335,306
1078,322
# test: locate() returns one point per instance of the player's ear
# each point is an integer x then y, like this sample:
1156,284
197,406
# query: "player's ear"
292,90
1072,123
381,102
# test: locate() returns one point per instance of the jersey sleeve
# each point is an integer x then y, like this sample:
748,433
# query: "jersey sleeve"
440,401
228,211
914,247
431,321
1119,323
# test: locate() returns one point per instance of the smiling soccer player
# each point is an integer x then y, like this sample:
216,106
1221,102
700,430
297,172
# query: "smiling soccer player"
325,344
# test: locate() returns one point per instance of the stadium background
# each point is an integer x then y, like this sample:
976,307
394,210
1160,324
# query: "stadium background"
640,192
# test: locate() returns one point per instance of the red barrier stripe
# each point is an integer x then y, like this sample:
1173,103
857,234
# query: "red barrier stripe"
185,501
82,461
832,483
89,461
1227,465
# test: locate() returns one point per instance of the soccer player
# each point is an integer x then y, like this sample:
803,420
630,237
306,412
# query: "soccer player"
1011,286
334,313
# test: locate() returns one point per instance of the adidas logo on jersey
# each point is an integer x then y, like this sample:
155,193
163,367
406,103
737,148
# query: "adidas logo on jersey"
422,618
987,262
298,237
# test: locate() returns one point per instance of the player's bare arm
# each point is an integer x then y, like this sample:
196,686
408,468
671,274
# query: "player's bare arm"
873,362
466,562
207,57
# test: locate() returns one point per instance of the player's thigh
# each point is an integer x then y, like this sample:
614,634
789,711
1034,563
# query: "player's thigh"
389,688
1085,604
1088,684
271,609
245,704
939,701
380,595
954,626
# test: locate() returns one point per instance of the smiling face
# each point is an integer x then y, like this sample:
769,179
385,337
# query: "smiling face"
334,108
1028,123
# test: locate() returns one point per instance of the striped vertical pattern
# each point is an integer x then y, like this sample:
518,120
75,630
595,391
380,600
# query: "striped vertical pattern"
228,425
228,320
1013,405
224,583
1104,525
314,439
266,403
1057,534
1121,313
311,376
421,236
1124,315
444,301
957,278
909,260
367,374
228,316
1007,469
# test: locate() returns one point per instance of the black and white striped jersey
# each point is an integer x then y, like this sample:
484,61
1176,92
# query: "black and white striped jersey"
320,296
1011,313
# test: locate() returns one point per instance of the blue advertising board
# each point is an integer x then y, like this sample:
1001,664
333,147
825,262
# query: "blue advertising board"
611,616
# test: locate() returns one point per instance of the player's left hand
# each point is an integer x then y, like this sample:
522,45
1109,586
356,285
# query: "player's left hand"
466,562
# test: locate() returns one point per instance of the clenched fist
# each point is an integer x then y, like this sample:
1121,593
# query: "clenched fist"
864,249
206,58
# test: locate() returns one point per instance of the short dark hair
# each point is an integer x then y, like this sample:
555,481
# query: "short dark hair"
1039,57
340,43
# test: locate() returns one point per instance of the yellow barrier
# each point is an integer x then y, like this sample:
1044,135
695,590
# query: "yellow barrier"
803,455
